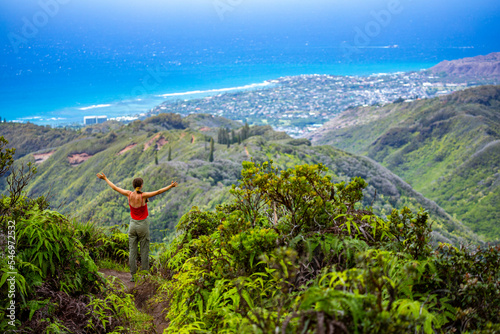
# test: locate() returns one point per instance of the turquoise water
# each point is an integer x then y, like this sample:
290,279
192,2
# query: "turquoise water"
114,59
68,98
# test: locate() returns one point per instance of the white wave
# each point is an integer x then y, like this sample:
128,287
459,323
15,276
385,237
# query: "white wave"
28,118
95,106
263,84
395,46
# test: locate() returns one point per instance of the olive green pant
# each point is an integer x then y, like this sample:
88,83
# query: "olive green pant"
138,232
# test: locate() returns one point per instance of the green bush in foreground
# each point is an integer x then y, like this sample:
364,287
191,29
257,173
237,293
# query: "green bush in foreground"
57,288
296,253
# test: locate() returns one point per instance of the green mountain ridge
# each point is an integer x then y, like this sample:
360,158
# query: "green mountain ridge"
292,247
447,148
289,250
68,174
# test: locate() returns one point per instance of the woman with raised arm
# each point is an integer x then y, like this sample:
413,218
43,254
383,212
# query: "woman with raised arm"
138,231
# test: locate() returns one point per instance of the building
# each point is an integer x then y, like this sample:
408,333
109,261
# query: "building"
88,120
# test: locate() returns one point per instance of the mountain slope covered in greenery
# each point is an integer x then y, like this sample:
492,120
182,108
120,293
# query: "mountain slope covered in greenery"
49,279
167,148
290,251
447,148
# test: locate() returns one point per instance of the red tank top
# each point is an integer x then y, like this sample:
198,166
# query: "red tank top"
139,213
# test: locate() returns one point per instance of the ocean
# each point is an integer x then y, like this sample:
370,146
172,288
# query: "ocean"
61,95
117,66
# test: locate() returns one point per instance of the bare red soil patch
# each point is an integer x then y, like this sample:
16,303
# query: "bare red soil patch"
161,142
128,148
205,128
42,157
246,151
77,159
150,142
192,139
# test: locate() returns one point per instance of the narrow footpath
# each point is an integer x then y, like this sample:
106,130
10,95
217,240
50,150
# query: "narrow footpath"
142,293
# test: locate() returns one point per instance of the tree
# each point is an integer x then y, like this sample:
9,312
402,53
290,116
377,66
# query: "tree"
16,181
245,132
223,136
220,136
156,157
211,155
6,156
170,153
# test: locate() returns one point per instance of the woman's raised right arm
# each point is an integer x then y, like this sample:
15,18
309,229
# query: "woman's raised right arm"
115,188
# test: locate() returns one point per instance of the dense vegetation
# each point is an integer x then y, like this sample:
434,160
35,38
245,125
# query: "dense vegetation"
447,148
182,153
28,138
295,253
289,252
46,273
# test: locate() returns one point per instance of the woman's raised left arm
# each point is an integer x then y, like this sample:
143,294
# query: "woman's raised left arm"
160,191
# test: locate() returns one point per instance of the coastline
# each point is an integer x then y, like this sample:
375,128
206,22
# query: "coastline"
138,106
128,108
219,90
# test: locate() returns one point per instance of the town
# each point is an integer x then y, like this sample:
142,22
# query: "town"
300,104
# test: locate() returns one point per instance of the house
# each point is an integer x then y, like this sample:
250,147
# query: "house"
88,120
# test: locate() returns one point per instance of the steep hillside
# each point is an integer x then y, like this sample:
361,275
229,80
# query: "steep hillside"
30,138
40,140
447,148
132,151
290,249
480,66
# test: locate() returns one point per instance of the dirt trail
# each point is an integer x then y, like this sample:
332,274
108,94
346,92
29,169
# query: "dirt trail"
142,293
122,276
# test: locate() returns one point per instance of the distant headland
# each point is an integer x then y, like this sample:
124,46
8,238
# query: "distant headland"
480,66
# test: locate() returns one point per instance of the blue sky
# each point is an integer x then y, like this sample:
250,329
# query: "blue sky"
450,21
94,51
96,30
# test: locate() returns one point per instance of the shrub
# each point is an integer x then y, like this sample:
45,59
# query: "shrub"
296,253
